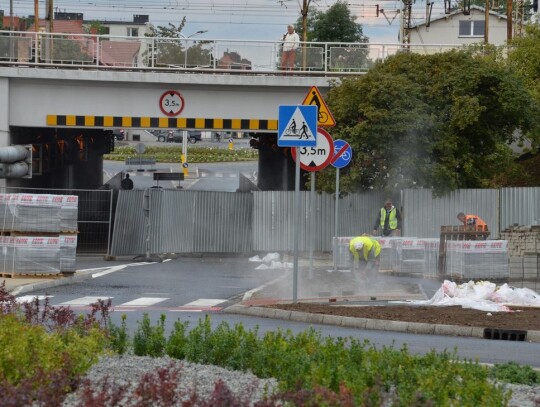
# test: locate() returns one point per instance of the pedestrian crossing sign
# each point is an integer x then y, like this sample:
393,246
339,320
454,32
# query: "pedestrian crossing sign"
297,126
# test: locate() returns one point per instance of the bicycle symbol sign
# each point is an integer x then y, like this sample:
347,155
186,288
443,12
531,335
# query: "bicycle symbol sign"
342,154
297,126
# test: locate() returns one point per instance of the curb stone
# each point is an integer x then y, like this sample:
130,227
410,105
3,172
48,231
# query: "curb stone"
370,324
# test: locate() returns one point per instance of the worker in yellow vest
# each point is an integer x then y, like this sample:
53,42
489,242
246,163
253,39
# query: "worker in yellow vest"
389,220
364,255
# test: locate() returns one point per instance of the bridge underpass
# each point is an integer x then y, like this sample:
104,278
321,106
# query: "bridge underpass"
63,113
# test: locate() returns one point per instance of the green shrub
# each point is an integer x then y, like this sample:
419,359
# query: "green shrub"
511,372
119,336
150,340
342,366
26,349
195,154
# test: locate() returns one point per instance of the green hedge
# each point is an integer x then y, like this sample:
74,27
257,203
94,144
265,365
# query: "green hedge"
195,154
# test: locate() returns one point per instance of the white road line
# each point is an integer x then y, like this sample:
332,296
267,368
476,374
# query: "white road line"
142,302
85,301
30,298
204,302
109,270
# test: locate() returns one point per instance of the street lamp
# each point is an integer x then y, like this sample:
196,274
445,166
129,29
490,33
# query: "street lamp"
195,33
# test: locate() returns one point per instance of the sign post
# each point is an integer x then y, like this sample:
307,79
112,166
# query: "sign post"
297,127
342,158
315,159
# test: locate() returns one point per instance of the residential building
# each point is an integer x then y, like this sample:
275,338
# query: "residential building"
461,28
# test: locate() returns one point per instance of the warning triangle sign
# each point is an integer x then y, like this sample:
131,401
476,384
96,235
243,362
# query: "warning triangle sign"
314,97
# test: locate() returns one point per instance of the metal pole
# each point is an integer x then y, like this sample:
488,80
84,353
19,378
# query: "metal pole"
311,232
111,197
336,220
296,224
11,15
486,32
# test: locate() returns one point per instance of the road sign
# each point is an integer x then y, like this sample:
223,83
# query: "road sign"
171,103
297,126
342,154
140,148
324,117
318,157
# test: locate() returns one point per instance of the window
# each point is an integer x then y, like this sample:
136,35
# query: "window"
472,28
132,32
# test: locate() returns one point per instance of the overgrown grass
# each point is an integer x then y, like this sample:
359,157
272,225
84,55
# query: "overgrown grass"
195,154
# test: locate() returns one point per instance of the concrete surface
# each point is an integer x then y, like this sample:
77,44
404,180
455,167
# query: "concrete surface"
279,291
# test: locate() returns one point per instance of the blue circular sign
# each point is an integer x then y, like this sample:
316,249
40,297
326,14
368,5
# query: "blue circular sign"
342,154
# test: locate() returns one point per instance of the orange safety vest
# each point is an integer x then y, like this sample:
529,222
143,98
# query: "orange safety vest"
473,220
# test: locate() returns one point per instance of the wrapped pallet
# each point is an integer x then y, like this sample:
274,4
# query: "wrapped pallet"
31,255
478,259
38,213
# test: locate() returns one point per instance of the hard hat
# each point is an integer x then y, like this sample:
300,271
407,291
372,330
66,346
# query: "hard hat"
358,245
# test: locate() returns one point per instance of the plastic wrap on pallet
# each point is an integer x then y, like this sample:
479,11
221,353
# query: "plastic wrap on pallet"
38,213
68,213
341,252
411,256
431,247
6,214
68,252
30,254
388,256
484,259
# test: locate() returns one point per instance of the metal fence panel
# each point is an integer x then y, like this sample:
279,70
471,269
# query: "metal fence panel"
222,222
358,212
521,206
423,214
129,227
172,217
273,219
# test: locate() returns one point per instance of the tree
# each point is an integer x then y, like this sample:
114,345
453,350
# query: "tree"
439,121
170,47
337,24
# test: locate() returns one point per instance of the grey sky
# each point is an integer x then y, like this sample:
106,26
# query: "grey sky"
230,19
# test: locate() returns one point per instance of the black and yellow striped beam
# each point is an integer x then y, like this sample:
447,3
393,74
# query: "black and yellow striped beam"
162,122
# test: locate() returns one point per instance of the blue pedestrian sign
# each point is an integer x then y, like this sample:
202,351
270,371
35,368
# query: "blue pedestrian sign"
342,154
297,126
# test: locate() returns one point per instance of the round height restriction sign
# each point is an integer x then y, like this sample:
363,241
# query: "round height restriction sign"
318,157
171,103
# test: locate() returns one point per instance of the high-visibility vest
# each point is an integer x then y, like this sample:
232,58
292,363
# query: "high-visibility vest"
392,220
473,220
370,245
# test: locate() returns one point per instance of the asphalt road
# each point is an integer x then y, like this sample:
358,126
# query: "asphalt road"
187,288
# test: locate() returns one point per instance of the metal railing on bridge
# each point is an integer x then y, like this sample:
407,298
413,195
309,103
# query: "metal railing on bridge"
189,54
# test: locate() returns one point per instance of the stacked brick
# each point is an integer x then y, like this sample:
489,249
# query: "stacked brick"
38,234
524,249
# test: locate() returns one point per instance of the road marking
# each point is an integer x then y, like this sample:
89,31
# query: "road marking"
84,301
109,271
30,298
143,302
204,302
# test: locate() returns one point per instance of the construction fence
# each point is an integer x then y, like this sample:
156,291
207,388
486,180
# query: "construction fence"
176,221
